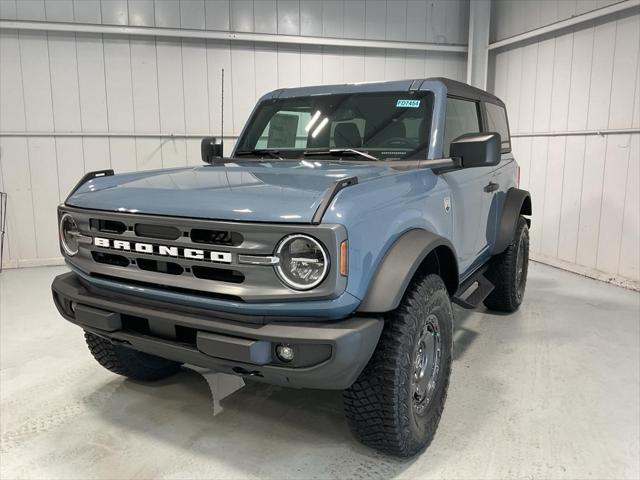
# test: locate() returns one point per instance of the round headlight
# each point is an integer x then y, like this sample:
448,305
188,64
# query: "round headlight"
304,263
69,234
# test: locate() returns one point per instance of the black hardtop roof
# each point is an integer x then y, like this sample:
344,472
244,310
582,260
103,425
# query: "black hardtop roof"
454,88
460,89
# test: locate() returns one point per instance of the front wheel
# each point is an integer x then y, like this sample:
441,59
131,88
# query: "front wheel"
396,403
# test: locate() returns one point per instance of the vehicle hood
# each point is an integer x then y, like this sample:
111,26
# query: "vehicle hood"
260,191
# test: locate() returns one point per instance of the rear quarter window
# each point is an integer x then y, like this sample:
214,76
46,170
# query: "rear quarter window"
497,122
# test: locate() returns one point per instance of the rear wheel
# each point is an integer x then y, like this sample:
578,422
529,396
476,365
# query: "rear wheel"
396,403
508,272
127,362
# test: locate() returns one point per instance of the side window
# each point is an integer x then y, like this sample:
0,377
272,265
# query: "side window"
462,117
497,122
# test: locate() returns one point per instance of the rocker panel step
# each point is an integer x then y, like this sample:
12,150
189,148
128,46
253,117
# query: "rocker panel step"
475,298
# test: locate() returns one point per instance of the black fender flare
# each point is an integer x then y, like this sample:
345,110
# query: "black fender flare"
399,265
518,202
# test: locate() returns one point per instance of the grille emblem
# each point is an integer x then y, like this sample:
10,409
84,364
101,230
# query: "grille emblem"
163,250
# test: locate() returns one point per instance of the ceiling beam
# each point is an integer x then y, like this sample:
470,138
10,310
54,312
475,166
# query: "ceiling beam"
570,22
229,36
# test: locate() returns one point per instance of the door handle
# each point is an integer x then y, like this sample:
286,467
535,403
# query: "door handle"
491,187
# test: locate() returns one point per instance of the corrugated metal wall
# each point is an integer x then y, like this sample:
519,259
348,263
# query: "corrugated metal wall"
560,92
75,102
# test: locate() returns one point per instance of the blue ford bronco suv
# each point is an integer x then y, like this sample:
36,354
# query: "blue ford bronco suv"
325,252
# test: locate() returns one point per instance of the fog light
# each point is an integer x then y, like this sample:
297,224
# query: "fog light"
284,352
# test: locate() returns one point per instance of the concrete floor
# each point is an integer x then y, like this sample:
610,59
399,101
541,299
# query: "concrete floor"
550,392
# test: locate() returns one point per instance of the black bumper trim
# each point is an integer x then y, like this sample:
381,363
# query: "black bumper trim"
352,340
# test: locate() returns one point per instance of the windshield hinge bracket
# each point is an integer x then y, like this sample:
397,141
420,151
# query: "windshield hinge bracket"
329,195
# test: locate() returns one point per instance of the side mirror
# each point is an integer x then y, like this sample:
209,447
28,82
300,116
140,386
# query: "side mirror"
210,150
477,149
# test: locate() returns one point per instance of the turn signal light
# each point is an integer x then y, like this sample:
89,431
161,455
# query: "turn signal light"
344,259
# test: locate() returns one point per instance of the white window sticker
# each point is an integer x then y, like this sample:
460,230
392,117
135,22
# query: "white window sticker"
408,103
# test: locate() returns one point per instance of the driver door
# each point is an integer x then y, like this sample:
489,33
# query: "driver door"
470,203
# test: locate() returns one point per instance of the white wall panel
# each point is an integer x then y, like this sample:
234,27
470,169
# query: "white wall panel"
616,168
8,9
114,12
571,198
104,97
219,57
192,14
148,153
59,10
288,65
14,155
584,186
34,56
167,13
97,153
243,92
629,258
604,41
375,20
70,163
624,82
93,99
332,18
217,14
117,68
87,11
354,18
241,12
144,80
31,10
416,21
310,65
123,154
512,17
11,92
141,13
64,82
288,17
310,18
46,197
266,20
195,79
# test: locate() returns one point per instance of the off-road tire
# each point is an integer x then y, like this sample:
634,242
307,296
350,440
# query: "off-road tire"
503,273
127,362
379,406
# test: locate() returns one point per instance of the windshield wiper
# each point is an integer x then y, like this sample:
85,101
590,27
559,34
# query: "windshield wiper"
260,151
342,151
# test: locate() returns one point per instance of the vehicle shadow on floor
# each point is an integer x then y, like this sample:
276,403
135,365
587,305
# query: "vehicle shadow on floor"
288,426
305,429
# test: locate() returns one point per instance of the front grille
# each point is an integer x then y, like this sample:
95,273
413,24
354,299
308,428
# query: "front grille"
110,259
159,266
219,274
107,226
196,256
164,232
215,237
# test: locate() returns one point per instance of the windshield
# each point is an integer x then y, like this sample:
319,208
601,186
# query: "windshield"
387,126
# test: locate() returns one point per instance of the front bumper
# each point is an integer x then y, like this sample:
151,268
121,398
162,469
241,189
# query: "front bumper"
328,355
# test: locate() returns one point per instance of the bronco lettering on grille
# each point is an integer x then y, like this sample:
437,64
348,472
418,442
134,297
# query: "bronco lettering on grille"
163,250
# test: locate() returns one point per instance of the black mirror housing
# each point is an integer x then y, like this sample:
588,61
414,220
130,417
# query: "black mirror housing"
477,149
210,150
